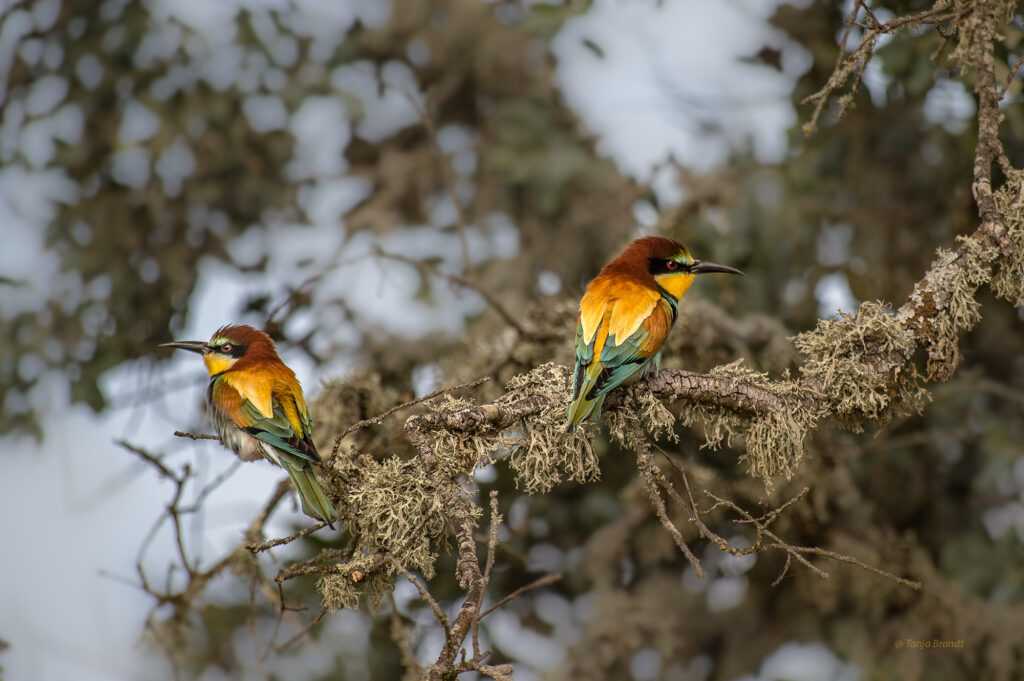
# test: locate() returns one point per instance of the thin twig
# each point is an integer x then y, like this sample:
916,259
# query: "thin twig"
1011,75
448,177
761,532
492,543
398,407
864,51
535,584
213,484
319,565
257,548
783,572
401,635
648,472
452,278
155,461
302,632
427,597
196,436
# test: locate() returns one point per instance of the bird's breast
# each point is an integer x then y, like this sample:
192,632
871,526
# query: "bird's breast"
234,438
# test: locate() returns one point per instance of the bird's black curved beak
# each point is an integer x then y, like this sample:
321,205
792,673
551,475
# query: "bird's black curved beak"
704,266
195,346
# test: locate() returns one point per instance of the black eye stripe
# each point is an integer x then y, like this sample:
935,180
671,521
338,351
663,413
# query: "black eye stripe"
230,349
662,266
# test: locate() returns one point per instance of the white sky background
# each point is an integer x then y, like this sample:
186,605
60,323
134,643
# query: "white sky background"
670,83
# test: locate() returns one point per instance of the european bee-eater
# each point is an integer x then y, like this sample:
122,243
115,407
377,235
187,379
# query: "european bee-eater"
625,316
256,404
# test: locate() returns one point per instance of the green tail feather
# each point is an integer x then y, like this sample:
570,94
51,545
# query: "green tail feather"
585,381
315,503
580,410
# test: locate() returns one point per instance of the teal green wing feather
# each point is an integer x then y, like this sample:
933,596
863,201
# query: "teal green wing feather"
582,408
307,423
295,454
277,432
622,360
617,362
584,356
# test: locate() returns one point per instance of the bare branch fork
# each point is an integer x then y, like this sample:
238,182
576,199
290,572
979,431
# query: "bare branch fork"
184,601
764,538
856,61
475,581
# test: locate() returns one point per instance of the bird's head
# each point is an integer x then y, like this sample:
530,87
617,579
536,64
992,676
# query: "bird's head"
229,346
670,264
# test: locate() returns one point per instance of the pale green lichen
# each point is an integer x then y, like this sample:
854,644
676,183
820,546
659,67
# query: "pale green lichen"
775,445
540,452
396,508
775,440
458,453
860,367
338,592
657,419
1008,281
646,417
540,463
960,311
945,305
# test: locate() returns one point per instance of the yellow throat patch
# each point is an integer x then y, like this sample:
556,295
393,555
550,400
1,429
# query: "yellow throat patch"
675,283
217,364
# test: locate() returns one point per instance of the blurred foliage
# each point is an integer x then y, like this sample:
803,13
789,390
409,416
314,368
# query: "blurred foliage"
935,495
136,236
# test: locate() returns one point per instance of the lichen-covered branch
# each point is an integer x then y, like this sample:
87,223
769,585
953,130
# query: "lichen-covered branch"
668,384
942,305
468,570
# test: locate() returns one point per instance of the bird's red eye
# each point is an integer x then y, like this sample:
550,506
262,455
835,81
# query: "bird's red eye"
226,348
672,265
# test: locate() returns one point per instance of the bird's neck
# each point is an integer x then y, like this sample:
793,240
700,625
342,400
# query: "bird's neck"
218,364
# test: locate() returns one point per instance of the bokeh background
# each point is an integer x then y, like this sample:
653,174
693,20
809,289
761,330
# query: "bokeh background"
168,166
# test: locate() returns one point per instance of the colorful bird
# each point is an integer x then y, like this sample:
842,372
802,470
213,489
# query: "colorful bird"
625,316
256,404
